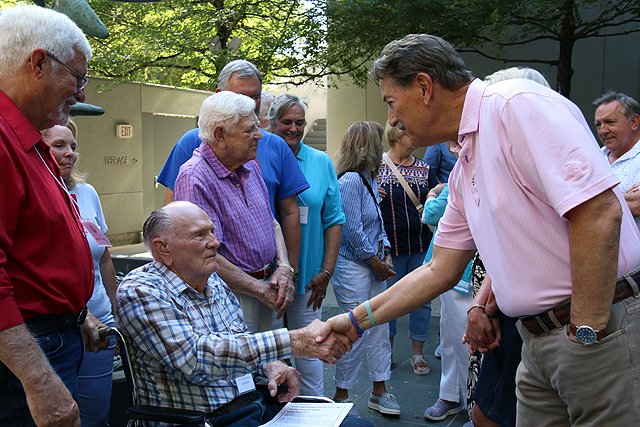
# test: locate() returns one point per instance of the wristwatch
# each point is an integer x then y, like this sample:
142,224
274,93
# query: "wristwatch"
586,334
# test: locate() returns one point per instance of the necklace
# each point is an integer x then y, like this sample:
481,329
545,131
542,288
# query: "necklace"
403,162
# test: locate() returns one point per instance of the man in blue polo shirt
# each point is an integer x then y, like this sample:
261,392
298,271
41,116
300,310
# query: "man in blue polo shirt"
280,170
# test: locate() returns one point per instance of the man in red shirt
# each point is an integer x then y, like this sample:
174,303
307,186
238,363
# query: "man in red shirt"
46,275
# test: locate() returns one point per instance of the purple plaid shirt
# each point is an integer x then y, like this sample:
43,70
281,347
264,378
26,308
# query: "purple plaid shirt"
237,203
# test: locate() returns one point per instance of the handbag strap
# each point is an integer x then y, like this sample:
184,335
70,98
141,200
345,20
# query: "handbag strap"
364,181
402,181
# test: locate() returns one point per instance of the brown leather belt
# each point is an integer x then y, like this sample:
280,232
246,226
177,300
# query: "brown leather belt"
237,403
560,315
263,274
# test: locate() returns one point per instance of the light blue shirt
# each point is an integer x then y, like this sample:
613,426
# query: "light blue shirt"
324,210
433,211
627,169
362,234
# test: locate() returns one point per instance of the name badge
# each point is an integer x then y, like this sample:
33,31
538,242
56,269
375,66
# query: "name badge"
304,214
245,384
97,234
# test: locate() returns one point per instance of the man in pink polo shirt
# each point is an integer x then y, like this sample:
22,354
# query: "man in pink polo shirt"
533,194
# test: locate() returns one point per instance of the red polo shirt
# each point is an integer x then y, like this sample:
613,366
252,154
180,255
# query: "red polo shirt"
45,261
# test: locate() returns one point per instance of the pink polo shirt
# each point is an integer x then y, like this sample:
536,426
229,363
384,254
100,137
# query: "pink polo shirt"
527,157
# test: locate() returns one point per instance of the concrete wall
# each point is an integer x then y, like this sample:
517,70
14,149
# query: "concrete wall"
599,65
123,170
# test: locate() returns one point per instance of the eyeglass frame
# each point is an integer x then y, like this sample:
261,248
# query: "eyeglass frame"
84,80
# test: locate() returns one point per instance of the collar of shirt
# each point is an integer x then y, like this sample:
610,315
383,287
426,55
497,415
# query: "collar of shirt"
24,129
635,150
177,286
218,168
302,152
470,119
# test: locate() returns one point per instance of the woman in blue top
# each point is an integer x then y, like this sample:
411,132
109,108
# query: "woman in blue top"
364,262
94,378
321,220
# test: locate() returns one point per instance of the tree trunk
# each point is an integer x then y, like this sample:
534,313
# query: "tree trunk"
567,40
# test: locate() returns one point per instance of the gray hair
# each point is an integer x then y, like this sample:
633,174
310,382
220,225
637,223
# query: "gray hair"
26,28
240,68
517,73
223,108
403,59
159,224
630,106
361,148
266,100
282,104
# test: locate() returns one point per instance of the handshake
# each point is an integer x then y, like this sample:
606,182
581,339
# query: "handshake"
327,341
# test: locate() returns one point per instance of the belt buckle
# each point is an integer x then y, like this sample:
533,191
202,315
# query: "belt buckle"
82,316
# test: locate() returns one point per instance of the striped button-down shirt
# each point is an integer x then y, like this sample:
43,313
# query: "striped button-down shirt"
362,234
238,204
188,348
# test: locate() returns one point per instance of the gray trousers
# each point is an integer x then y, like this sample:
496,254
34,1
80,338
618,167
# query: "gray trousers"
563,383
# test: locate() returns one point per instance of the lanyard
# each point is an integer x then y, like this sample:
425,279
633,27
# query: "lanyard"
61,184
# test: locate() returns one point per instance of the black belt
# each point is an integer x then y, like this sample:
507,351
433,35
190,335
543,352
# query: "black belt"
237,403
52,323
560,315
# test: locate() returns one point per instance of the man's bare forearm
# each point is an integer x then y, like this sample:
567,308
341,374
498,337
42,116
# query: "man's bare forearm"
20,353
290,223
594,239
238,280
281,247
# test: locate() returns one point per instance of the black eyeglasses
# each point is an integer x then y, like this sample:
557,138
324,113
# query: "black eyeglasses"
81,81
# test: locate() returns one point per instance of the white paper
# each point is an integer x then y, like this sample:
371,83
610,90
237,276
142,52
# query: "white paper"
310,415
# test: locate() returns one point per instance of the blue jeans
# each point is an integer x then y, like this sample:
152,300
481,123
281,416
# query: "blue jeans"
64,352
94,386
263,410
420,319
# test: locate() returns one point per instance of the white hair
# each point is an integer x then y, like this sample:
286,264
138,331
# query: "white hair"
223,108
26,28
240,68
517,73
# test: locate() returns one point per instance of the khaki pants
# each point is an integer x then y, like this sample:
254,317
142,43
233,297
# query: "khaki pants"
562,383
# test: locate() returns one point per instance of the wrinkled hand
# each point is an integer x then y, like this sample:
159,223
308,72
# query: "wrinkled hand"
278,373
483,332
282,281
341,324
632,197
318,286
382,270
381,192
317,340
51,404
92,341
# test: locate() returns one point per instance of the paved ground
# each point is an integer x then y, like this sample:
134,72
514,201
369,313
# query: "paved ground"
414,393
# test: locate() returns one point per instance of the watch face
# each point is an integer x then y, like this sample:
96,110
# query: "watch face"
586,335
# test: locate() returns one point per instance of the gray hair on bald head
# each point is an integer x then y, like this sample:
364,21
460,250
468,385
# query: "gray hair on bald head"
224,109
240,68
158,225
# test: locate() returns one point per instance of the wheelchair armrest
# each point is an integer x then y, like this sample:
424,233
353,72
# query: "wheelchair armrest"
167,415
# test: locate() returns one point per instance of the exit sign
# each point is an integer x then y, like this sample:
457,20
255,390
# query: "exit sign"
124,131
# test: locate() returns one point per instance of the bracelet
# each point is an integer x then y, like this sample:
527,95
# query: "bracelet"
326,273
475,306
367,307
431,195
354,322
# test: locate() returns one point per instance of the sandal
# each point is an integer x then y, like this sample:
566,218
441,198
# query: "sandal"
419,368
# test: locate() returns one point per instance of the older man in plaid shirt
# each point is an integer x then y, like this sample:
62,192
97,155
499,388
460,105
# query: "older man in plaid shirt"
190,346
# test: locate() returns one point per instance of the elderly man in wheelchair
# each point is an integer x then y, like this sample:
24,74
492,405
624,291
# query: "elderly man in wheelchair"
189,347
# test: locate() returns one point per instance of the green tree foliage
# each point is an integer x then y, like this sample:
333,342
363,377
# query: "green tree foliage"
359,29
187,42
